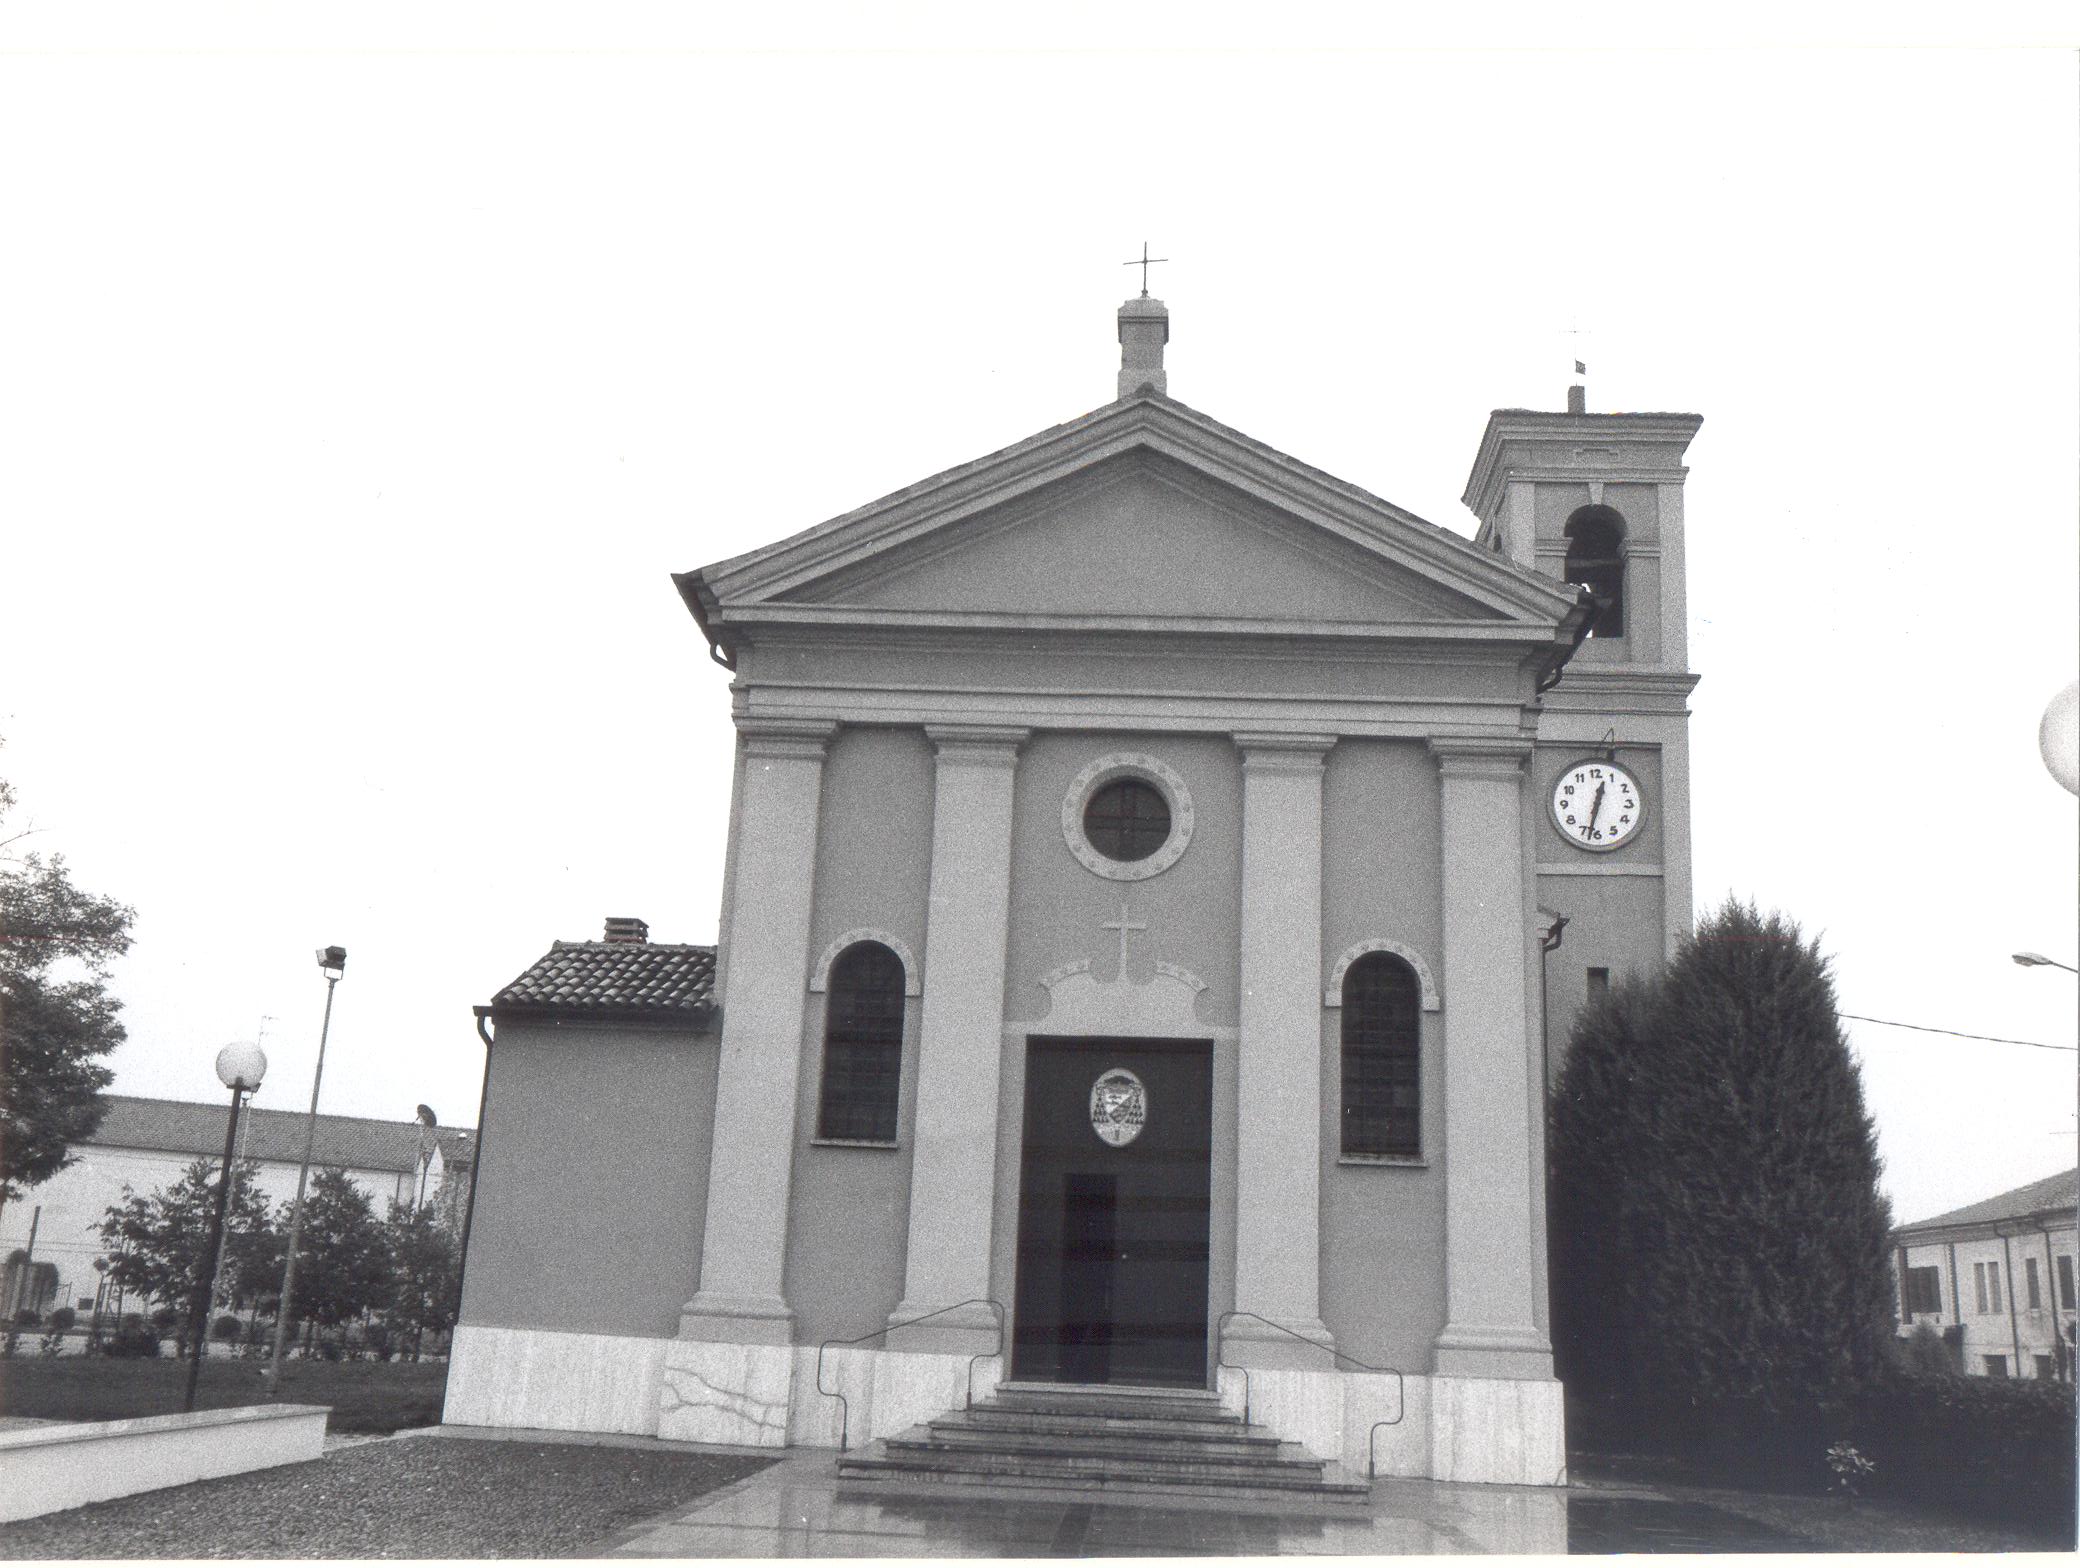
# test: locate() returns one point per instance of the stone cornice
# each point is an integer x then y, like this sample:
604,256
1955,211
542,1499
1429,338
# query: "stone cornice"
1668,434
996,744
765,736
1272,751
752,616
1479,756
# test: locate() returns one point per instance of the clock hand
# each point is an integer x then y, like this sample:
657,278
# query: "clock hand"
1595,806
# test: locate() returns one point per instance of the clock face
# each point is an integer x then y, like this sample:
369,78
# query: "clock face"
1597,805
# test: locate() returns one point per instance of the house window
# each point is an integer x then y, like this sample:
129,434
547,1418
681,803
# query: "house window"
1986,1286
1924,1291
862,1045
1599,984
1382,1059
2029,1283
1596,561
2044,1372
2065,1281
1996,1366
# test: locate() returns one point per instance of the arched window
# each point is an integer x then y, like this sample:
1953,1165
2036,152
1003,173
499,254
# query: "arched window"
1596,561
1382,1058
862,1045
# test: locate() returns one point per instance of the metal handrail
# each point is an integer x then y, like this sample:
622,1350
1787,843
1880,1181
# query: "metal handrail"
1221,1363
845,1405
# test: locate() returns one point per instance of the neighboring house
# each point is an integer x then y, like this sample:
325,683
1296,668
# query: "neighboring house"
1130,927
1996,1277
145,1145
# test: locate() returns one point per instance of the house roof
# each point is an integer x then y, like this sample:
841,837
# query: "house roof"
2048,1195
355,1142
660,981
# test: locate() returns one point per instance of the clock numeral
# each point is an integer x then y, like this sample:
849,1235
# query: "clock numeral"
1570,821
1567,789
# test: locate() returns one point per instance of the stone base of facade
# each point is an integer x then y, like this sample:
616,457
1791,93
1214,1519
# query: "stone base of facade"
1499,1431
697,1391
1502,1431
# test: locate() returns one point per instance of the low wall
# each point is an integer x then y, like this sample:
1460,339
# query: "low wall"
64,1464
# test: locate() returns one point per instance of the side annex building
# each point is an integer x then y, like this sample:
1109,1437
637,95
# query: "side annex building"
1130,957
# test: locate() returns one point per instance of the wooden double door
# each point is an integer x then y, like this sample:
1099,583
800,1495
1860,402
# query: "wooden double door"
1113,1215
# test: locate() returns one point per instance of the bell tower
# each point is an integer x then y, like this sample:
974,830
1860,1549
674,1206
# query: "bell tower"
1597,499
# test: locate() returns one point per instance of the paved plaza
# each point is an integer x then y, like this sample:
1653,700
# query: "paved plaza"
800,1508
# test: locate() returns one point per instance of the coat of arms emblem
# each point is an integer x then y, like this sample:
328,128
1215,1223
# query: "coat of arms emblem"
1119,1106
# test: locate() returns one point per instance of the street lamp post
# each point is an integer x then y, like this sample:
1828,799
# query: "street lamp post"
240,1069
333,960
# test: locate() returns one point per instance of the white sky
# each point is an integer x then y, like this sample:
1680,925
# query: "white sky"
360,386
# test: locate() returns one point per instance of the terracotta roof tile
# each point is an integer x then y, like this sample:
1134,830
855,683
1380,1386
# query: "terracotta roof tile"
356,1142
622,979
2053,1192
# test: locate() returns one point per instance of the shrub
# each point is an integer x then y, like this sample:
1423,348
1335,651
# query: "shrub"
62,1319
1720,1248
134,1338
226,1328
1923,1354
28,1317
1998,1447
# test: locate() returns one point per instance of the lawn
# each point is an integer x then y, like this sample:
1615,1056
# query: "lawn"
365,1396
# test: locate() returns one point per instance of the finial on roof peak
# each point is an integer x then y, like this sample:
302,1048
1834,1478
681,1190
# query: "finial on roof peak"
1144,327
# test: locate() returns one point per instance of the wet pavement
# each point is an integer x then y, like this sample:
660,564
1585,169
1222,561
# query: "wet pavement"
799,1508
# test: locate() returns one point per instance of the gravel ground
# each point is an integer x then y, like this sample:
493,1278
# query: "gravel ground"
409,1497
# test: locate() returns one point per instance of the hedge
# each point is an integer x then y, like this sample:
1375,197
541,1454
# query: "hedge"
1995,1447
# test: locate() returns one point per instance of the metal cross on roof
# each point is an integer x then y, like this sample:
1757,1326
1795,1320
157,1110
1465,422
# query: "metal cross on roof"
1144,264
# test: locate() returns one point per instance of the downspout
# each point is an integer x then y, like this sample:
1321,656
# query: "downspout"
1585,607
2014,1324
1956,1300
2058,1337
476,1167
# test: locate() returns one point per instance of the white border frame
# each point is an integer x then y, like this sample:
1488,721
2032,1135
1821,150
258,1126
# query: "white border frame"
1128,764
1332,994
820,976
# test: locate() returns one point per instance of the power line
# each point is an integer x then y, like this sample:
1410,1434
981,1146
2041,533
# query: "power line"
1893,1023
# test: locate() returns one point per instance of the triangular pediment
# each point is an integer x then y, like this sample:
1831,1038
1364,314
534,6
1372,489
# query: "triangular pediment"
1141,536
1142,512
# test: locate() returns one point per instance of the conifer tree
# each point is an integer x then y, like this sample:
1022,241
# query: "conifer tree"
1720,1244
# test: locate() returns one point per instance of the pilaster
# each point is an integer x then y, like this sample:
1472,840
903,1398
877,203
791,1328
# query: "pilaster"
1279,1070
743,1250
1492,1264
960,1048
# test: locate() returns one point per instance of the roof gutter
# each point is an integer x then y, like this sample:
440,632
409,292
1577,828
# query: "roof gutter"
476,1169
689,585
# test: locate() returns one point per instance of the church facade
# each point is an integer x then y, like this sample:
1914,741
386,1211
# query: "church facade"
1134,963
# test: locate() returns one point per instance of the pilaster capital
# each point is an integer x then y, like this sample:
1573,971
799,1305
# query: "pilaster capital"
804,738
1272,752
1480,756
988,744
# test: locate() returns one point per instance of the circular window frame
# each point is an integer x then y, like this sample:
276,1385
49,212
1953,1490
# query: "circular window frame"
1151,771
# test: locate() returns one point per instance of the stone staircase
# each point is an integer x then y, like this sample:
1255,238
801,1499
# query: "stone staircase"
1104,1437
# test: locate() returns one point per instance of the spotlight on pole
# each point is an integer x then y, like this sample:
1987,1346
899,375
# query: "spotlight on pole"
333,961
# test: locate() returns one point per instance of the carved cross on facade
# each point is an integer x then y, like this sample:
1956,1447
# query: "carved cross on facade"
1144,264
1123,925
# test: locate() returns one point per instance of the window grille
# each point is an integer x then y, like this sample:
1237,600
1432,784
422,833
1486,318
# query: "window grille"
862,1045
1382,1059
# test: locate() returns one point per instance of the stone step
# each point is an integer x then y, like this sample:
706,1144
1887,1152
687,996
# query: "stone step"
985,1417
886,1460
1242,1447
1082,1456
1117,1401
